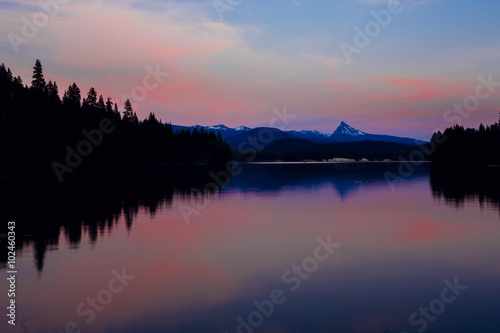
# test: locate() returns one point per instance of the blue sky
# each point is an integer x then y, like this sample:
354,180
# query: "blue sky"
271,54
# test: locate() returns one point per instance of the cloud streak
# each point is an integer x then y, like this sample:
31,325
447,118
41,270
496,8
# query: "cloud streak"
235,72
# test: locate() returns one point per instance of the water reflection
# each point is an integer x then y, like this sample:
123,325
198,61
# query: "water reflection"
92,207
397,248
346,178
45,210
459,189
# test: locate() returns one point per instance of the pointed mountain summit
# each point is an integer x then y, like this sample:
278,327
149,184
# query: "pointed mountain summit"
343,133
346,133
346,129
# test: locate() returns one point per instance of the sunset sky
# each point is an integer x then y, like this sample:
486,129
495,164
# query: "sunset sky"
234,67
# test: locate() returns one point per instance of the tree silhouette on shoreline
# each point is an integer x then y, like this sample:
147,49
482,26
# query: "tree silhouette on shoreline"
461,147
37,126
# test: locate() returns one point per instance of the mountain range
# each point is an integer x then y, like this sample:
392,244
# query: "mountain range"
343,133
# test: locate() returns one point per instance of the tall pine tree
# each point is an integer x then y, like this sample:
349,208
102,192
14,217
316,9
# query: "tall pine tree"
38,81
72,96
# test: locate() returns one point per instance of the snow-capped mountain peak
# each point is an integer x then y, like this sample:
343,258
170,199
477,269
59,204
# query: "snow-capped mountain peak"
309,133
346,129
219,127
319,133
343,133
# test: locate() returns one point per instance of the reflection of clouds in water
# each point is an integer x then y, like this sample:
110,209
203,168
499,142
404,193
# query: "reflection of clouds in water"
22,325
89,208
201,277
96,209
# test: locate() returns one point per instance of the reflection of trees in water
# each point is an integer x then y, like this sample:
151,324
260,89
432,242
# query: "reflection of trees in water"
460,187
44,210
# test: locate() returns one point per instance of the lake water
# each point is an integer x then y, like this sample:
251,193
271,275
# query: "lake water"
281,248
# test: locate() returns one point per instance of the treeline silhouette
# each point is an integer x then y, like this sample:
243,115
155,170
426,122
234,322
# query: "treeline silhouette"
93,206
41,132
467,148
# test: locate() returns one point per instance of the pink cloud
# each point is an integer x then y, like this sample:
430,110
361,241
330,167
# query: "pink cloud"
362,91
420,89
338,85
217,77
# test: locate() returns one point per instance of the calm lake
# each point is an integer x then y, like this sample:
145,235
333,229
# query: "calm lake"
281,248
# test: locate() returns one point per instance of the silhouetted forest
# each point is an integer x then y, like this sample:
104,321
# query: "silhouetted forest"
465,148
40,132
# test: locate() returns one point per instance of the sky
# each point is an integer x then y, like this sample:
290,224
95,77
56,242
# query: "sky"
384,67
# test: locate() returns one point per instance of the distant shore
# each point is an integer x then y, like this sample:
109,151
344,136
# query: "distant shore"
327,162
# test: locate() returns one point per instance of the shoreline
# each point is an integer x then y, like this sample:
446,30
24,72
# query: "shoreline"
327,162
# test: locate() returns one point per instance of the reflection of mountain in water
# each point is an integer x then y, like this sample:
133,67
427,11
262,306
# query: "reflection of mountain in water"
459,188
273,177
43,209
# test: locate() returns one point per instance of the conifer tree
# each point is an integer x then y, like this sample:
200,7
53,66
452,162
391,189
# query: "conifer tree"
129,111
38,81
109,105
100,104
72,97
90,102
